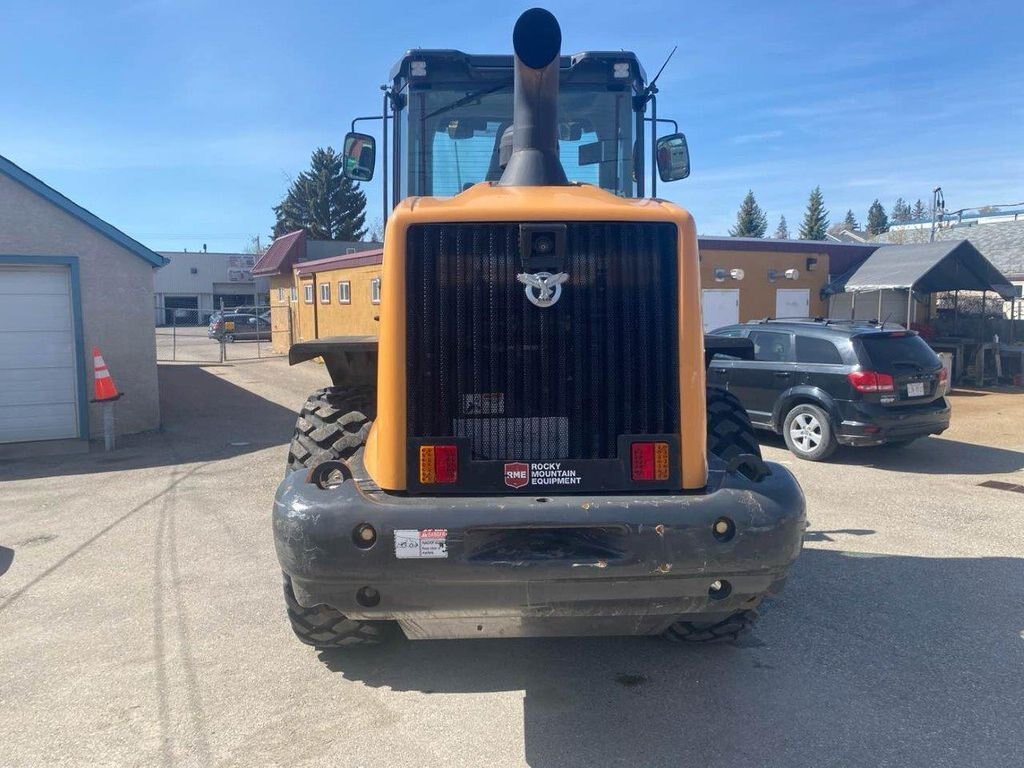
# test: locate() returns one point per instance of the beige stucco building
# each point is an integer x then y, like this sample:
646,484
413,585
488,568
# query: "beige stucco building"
70,282
307,300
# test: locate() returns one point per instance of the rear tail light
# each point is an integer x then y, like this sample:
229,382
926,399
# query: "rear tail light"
439,464
943,376
870,381
649,461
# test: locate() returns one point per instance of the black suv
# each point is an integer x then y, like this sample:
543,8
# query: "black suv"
823,383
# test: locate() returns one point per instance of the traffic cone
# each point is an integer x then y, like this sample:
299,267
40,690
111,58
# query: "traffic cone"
104,383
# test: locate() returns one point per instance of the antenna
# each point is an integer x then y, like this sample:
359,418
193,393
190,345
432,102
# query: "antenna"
651,88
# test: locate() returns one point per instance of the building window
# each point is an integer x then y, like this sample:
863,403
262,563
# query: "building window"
295,294
280,294
344,292
325,293
375,291
307,293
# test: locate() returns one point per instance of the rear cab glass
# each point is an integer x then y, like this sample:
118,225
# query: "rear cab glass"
898,353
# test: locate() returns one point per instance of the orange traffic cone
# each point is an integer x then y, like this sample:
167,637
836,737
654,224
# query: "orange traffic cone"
105,388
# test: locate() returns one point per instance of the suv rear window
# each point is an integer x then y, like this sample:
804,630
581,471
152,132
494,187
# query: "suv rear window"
812,350
894,350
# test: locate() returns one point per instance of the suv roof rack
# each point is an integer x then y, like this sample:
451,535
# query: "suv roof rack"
813,321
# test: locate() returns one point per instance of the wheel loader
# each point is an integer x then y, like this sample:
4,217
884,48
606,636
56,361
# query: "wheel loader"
529,447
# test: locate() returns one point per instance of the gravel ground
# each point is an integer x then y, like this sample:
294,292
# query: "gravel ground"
141,620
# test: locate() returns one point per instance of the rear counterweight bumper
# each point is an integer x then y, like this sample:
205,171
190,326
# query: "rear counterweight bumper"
525,565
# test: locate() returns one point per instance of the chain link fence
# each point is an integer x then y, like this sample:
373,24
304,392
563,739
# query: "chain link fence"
187,334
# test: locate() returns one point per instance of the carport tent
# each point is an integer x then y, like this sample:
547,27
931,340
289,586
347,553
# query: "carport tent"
924,268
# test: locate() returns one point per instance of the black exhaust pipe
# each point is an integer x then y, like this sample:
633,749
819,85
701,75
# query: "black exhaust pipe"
537,40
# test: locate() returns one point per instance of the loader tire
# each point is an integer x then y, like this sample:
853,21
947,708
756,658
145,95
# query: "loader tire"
728,629
323,627
730,433
332,425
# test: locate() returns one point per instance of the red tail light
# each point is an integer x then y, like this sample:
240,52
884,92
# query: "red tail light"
870,381
439,464
943,376
649,461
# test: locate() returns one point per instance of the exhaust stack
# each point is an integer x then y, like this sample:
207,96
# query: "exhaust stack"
537,40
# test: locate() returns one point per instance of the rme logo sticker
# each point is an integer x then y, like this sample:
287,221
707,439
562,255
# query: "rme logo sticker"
519,474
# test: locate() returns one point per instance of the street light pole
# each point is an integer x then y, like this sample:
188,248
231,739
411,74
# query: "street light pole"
938,203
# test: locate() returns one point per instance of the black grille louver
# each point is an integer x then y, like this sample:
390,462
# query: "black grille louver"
521,382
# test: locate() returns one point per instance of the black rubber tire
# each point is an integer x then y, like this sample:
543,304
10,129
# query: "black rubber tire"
332,425
730,432
323,627
827,445
727,630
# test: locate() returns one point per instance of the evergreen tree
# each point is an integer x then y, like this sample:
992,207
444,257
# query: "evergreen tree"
918,213
751,221
901,212
323,202
815,223
850,222
878,222
782,231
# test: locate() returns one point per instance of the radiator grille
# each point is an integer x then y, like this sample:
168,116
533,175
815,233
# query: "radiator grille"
523,382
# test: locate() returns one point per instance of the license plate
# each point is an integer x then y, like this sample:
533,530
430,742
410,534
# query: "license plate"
915,389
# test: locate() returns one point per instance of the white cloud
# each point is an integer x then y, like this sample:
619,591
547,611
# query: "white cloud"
752,138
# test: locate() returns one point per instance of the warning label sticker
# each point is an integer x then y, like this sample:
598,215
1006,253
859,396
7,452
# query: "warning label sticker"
424,544
520,474
483,404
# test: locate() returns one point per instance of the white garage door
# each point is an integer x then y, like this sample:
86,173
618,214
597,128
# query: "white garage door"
38,380
792,302
720,306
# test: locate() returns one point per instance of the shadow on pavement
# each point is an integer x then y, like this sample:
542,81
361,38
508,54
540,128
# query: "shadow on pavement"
204,417
829,535
865,660
926,456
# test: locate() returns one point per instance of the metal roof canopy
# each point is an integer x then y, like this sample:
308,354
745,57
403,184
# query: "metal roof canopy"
925,268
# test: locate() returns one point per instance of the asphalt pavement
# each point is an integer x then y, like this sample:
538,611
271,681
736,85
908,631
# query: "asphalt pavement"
141,620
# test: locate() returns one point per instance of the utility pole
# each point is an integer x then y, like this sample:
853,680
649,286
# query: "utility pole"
938,204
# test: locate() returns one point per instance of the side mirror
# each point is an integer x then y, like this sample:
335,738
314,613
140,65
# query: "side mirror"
673,157
360,156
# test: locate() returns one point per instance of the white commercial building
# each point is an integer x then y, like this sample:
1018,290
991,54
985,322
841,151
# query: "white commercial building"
195,283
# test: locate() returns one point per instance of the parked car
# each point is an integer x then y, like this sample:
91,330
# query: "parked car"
236,326
823,383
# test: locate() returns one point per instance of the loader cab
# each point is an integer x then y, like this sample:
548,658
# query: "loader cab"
448,115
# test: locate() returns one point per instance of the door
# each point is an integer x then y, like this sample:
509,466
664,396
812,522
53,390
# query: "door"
792,302
38,372
720,307
758,383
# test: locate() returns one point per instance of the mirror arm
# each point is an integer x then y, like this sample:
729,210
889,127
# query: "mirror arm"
369,117
654,139
384,134
675,125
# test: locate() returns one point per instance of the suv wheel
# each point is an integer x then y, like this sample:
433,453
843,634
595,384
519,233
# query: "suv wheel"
808,433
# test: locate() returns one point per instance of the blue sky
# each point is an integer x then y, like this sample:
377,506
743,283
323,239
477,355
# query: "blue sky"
181,122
